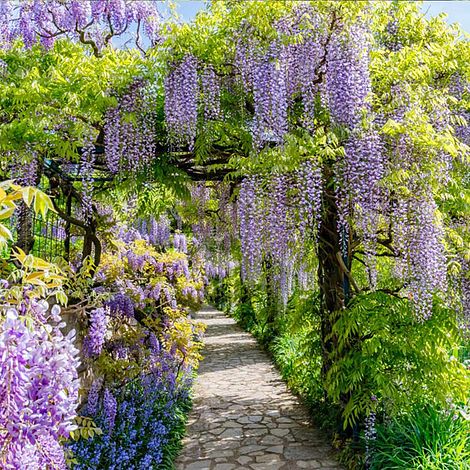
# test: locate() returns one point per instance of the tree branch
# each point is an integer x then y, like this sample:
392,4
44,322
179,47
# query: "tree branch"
346,271
137,39
90,42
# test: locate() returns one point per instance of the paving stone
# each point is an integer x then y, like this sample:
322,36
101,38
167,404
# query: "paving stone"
275,449
255,432
300,453
271,440
308,464
268,459
243,460
222,453
232,424
269,466
231,433
203,465
217,431
243,416
255,419
279,432
254,426
248,449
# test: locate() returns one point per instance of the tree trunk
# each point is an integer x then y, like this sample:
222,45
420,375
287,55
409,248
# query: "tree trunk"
24,228
334,284
92,247
68,227
271,295
334,261
28,175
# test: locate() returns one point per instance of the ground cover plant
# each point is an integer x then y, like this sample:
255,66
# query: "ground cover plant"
308,161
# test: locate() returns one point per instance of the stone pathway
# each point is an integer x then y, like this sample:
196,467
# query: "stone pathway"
244,417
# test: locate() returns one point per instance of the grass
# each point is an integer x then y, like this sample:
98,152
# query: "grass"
425,439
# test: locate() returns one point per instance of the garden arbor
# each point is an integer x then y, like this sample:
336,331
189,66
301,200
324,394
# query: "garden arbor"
343,130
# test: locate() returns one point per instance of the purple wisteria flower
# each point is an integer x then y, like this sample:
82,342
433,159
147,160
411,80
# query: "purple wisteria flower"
181,101
94,341
38,390
45,21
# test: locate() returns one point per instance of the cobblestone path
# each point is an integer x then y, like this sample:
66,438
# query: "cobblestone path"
244,417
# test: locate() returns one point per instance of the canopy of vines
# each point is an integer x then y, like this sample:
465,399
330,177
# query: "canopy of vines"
323,145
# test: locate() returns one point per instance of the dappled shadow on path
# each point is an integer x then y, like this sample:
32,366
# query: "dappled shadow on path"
244,417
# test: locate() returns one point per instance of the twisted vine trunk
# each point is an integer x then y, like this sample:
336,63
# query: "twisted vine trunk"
334,267
24,228
331,277
271,294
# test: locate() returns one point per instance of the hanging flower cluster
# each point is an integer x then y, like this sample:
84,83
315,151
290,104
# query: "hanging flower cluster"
421,242
270,97
218,271
303,55
460,89
310,186
181,101
347,76
273,214
38,386
43,21
415,229
26,170
215,233
358,176
210,87
130,131
251,224
94,341
159,232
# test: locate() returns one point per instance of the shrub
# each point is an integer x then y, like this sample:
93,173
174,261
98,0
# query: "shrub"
384,351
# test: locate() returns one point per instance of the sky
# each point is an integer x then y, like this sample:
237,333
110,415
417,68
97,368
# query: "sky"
457,11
